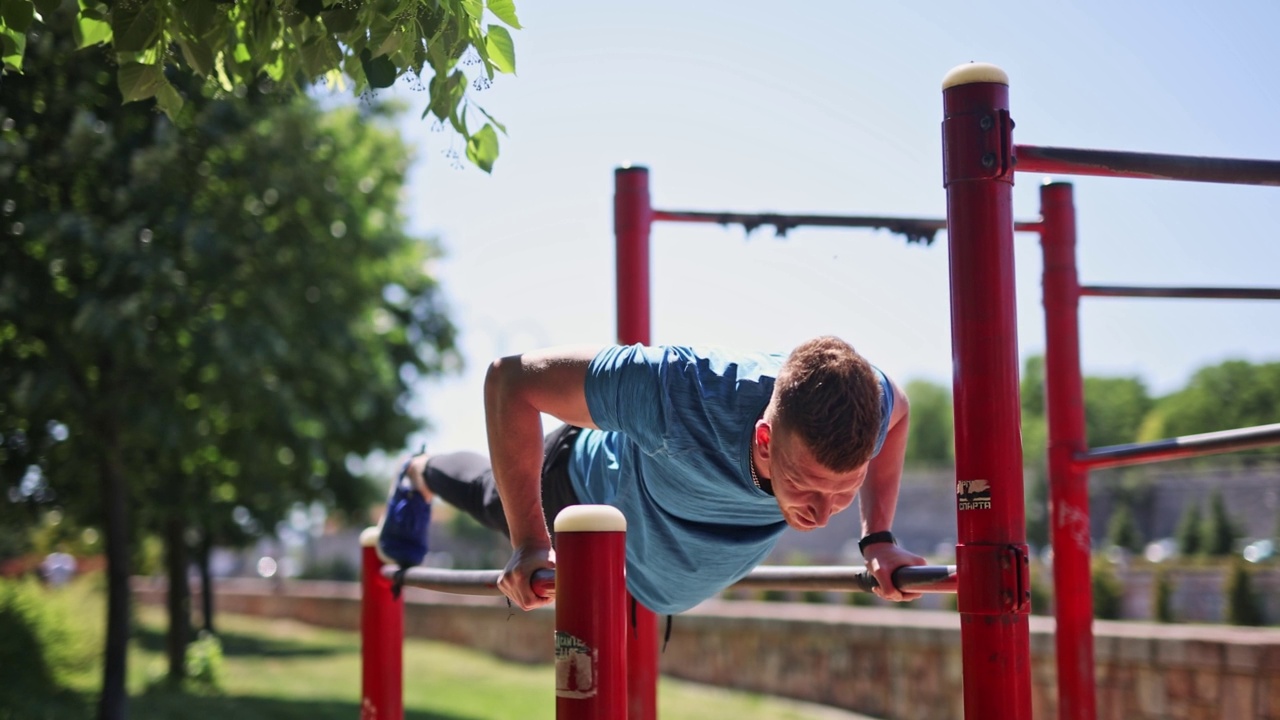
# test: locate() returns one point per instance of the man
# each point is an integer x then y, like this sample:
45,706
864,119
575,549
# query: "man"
709,454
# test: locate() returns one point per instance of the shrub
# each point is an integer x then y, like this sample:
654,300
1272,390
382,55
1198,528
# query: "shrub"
1243,605
37,650
1107,592
1162,596
204,664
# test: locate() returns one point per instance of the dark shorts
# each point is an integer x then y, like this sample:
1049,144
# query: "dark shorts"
465,481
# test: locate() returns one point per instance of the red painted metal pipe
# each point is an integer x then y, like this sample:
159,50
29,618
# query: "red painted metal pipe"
632,220
994,586
1150,166
591,613
1068,483
381,638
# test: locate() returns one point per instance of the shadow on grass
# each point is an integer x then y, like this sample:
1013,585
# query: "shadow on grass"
161,704
235,644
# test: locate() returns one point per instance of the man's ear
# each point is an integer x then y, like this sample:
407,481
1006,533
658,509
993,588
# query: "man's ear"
764,434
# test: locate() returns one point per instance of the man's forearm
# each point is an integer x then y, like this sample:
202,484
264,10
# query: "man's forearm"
879,494
514,428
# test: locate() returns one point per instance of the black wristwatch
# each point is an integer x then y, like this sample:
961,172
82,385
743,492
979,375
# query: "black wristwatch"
884,536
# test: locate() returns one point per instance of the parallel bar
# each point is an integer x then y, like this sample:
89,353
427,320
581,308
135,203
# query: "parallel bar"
1181,447
466,582
1204,293
1114,163
921,578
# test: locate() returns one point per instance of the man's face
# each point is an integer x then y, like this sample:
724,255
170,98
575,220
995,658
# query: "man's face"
808,493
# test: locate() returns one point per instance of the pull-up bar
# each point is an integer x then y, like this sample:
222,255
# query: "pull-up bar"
1176,448
1152,166
1199,293
921,578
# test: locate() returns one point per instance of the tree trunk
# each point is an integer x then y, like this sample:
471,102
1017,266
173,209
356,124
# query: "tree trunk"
114,702
179,598
206,579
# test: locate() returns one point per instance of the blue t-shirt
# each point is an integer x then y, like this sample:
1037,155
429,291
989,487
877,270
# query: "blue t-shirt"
672,454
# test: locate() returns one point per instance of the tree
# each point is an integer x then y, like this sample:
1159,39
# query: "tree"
1243,605
931,438
1114,408
1233,394
199,316
1188,535
1122,529
1217,532
291,45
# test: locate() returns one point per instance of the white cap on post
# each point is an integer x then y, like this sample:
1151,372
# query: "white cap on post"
590,518
974,72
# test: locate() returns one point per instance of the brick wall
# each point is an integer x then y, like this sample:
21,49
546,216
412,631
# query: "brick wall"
889,663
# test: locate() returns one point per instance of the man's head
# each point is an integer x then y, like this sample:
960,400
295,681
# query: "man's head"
819,430
828,397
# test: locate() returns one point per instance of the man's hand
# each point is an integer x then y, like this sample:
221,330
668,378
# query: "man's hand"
882,559
517,578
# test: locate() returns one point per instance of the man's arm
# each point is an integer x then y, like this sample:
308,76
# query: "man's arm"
517,389
879,501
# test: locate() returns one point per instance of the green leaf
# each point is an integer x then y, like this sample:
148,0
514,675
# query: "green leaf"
501,51
139,82
446,92
14,46
497,124
474,8
319,56
379,71
91,31
339,20
136,26
310,8
44,7
482,148
198,55
17,14
168,99
505,10
200,16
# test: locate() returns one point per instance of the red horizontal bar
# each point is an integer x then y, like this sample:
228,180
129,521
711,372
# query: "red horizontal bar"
917,578
1114,163
1181,292
1180,447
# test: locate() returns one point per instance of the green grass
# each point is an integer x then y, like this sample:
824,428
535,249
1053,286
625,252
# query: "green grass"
283,670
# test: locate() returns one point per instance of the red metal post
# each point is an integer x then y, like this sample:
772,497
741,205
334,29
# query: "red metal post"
994,588
1068,482
591,613
632,219
381,638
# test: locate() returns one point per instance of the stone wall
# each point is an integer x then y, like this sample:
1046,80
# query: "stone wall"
890,663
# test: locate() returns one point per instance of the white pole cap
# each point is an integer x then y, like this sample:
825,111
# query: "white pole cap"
590,518
974,72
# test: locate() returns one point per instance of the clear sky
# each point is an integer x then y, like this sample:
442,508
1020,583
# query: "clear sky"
835,107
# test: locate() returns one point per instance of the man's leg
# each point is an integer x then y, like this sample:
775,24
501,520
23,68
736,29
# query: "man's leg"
465,481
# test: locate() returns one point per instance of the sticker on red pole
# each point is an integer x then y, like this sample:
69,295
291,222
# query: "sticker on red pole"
973,494
575,668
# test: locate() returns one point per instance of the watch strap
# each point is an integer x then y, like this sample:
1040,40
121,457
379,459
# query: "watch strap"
884,536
